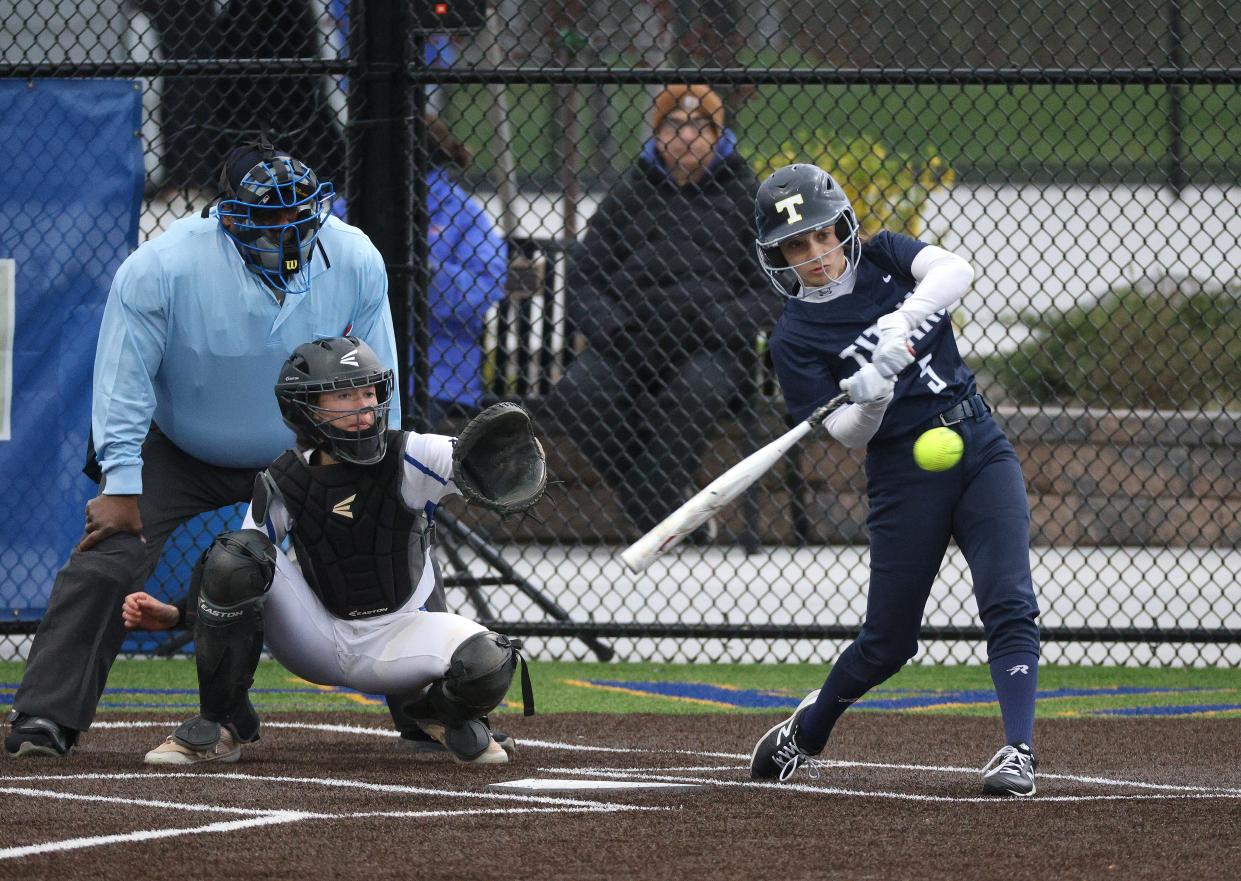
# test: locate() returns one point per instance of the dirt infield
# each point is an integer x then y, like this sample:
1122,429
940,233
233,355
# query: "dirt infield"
336,797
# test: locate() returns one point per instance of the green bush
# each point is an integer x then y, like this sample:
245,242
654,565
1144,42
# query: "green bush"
886,189
1168,346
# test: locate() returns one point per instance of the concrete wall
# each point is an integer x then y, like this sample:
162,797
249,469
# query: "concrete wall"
1095,478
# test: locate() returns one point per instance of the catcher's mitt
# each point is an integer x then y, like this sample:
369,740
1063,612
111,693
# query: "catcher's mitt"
498,462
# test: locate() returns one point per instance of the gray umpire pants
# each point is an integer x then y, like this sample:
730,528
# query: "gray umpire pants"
81,632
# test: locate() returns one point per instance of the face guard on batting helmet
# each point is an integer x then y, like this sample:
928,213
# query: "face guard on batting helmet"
276,206
329,365
794,200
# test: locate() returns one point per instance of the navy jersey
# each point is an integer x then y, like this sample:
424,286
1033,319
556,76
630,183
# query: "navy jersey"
816,345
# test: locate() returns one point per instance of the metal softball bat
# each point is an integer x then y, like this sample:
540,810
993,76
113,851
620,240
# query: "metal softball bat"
722,491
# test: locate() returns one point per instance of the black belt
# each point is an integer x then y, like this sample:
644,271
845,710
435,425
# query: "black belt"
973,407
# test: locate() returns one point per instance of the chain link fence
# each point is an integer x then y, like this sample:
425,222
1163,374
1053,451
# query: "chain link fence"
547,244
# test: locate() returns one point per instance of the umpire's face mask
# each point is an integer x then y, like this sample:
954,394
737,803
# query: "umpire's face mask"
284,239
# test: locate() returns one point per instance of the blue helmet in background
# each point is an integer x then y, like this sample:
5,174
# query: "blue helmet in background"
276,207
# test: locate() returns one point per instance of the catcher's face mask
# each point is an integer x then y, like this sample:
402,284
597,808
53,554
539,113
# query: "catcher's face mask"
356,434
335,395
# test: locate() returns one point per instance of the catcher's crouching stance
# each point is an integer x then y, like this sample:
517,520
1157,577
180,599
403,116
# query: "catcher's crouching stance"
357,502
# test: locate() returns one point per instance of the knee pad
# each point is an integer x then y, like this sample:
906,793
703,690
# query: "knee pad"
230,581
233,576
479,674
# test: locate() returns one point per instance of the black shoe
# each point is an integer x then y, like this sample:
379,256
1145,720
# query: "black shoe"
420,742
37,736
1010,771
776,755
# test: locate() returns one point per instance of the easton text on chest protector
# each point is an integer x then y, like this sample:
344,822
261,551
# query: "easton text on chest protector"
360,547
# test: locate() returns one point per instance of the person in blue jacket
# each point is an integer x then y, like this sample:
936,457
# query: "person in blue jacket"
197,322
871,318
469,267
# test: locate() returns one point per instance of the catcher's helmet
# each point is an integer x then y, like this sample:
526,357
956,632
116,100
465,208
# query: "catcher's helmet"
330,365
794,200
259,183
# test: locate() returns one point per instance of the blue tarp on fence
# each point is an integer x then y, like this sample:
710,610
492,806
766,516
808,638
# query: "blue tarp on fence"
71,182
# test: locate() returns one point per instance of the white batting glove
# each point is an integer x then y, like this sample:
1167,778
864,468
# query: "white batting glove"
892,324
868,386
892,355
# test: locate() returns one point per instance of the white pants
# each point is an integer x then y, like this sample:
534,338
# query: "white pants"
394,653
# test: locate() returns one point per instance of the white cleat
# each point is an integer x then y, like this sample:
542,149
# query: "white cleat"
469,744
173,752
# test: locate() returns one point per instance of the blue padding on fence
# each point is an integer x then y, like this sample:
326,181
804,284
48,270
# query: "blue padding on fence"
71,181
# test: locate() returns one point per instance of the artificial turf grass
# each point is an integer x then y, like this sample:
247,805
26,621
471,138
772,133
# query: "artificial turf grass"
579,687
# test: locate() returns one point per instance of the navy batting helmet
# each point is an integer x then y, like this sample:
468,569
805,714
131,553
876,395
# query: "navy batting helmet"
794,200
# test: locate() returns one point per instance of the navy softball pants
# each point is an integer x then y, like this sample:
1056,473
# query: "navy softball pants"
981,503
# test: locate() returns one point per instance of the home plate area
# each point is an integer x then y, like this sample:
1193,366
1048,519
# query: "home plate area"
642,796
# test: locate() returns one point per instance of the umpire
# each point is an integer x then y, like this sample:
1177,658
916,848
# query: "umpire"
197,324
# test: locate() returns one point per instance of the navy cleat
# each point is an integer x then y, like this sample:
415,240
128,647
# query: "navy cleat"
37,736
1010,771
776,755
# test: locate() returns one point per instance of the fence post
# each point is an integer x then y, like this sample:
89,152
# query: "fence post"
380,151
417,319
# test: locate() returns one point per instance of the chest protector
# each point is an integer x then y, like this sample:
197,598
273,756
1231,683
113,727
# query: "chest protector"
360,547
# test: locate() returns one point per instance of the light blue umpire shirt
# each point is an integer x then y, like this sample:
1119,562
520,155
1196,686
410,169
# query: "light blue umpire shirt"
194,341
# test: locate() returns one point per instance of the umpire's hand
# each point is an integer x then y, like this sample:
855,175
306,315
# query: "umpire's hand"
107,516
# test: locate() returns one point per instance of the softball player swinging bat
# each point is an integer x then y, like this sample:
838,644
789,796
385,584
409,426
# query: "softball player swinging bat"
853,308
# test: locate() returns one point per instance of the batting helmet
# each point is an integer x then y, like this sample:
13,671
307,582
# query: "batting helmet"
794,200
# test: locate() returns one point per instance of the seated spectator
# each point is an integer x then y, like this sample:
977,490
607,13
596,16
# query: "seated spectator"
667,290
468,264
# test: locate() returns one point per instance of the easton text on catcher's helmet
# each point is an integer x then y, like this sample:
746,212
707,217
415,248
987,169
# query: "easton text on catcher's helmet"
335,364
794,200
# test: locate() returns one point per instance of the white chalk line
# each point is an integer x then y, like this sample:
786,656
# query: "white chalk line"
568,805
135,802
646,774
1075,778
334,782
308,726
745,757
270,819
552,804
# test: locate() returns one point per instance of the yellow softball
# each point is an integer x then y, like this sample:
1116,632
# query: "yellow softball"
938,449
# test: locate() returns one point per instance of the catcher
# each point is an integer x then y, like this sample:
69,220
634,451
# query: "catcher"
357,502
